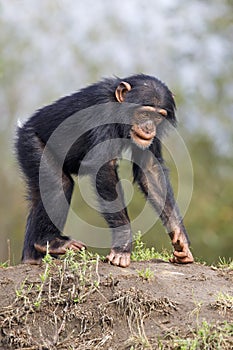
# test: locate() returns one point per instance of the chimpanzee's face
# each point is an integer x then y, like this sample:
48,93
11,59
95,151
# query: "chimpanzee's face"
144,124
155,104
154,101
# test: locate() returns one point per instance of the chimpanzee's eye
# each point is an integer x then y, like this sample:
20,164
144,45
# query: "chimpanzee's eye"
149,105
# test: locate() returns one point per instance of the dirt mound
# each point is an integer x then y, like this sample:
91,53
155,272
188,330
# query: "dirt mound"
89,304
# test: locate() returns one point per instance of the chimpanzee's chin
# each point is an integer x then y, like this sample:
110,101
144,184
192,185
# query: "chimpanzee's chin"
141,143
143,135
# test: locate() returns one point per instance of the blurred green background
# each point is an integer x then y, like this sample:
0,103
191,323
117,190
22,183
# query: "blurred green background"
50,48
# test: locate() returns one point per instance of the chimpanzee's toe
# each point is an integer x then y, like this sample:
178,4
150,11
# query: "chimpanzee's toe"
32,261
118,258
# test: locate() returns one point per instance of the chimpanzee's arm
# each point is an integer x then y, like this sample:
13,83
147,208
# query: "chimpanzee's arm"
152,177
111,201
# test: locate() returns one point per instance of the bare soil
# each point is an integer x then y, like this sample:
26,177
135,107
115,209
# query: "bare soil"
110,307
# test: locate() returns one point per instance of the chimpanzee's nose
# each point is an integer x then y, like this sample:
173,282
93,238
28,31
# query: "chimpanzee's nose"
148,126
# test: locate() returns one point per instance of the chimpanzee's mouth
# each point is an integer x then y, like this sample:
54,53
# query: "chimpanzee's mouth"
141,136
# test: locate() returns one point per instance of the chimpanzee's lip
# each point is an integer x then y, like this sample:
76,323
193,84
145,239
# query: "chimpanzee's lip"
138,131
140,137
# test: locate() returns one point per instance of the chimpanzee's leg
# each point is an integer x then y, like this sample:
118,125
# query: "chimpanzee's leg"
154,181
113,209
40,229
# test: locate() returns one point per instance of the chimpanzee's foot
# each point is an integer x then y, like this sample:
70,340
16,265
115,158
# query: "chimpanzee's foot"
32,261
121,259
59,246
182,254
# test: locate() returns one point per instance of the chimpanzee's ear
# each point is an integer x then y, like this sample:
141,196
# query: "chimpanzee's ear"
122,90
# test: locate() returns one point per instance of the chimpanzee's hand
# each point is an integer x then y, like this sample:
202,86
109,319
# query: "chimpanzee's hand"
182,253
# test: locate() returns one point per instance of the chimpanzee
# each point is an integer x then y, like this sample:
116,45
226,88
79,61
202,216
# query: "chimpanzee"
134,112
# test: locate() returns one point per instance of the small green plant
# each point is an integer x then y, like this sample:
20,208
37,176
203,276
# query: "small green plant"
4,264
23,290
196,311
147,274
211,337
79,268
83,266
140,342
224,263
141,252
223,302
205,337
47,260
